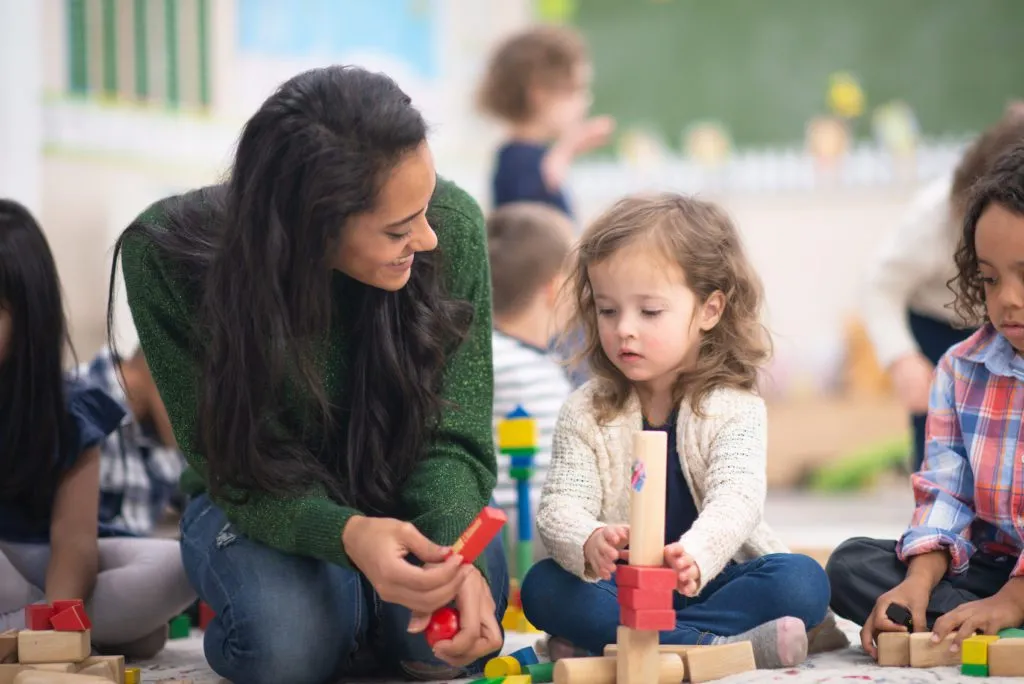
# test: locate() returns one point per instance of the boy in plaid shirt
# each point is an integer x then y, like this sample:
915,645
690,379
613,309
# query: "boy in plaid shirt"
958,569
139,462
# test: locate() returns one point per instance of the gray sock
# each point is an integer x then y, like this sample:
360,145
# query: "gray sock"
779,643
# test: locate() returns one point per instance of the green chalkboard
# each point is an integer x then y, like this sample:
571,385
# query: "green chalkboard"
762,67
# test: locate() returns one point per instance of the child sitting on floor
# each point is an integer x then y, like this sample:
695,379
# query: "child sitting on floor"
528,244
671,309
958,568
51,426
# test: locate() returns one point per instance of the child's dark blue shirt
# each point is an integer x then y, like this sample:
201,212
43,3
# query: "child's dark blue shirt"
518,177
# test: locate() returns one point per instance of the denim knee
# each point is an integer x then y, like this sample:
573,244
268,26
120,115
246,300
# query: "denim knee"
802,590
537,593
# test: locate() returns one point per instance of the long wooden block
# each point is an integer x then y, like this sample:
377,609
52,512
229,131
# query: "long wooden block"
638,655
646,578
114,663
1006,658
53,667
603,670
893,649
9,646
714,662
52,647
8,671
674,649
647,499
923,653
43,677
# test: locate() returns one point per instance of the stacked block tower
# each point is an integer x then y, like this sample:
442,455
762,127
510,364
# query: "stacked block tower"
518,437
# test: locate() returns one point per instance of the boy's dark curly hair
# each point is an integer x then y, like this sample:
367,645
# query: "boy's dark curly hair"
1003,184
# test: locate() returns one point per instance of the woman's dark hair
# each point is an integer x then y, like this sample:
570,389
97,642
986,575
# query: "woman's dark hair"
256,253
34,424
1003,184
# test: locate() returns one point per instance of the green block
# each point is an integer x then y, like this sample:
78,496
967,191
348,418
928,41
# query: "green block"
1011,633
180,627
524,559
492,680
520,451
520,473
541,672
974,670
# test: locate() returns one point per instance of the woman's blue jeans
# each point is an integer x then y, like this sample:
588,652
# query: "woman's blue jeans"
286,618
742,597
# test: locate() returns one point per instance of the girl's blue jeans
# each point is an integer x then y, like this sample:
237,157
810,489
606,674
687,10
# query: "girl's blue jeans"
286,618
742,597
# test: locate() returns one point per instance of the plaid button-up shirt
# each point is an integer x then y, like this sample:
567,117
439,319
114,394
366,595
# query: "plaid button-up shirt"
970,489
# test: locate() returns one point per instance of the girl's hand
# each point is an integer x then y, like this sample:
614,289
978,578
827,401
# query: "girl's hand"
987,616
479,633
604,548
687,572
379,546
912,594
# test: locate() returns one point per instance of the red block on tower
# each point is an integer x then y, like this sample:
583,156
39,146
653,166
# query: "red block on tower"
648,578
645,599
648,620
37,616
71,619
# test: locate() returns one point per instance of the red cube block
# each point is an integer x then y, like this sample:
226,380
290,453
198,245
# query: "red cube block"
37,616
62,605
644,599
648,620
72,619
646,577
205,615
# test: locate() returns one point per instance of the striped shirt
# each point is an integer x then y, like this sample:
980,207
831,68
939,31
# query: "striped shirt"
530,377
970,489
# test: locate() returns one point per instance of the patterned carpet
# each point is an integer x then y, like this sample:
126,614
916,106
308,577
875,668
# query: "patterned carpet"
183,659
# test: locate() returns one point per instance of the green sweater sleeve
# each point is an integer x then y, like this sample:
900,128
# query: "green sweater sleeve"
457,476
310,524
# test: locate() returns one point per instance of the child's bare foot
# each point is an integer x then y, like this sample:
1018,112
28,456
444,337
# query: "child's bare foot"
779,643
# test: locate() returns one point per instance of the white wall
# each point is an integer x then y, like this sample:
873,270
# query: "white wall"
21,91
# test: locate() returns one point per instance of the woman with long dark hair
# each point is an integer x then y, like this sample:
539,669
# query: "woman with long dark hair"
319,329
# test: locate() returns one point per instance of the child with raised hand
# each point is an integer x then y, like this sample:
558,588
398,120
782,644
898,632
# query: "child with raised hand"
51,426
671,308
958,568
537,83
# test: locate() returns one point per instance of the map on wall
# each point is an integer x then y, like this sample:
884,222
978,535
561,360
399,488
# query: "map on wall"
401,30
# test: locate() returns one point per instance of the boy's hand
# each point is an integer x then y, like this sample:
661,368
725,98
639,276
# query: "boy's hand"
591,134
687,572
604,548
987,616
912,594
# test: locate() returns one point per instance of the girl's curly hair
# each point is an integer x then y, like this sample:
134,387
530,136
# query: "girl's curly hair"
701,238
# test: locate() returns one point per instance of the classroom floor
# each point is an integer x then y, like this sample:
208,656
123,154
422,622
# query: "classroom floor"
810,524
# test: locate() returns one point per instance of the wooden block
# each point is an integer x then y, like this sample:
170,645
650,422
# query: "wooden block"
479,534
635,598
114,663
1006,658
923,653
518,679
64,604
132,675
52,647
54,667
602,670
647,499
72,619
27,676
638,658
9,646
647,578
974,650
714,662
648,620
517,433
893,649
37,616
8,671
663,649
974,670
502,666
525,656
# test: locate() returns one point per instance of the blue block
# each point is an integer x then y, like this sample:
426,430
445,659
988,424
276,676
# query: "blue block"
523,503
521,462
526,656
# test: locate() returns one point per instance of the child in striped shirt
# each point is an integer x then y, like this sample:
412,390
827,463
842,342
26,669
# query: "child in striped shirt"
528,244
958,569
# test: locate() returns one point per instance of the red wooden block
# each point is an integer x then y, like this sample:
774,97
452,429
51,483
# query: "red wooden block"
72,619
479,534
646,577
648,620
644,599
205,615
62,605
37,616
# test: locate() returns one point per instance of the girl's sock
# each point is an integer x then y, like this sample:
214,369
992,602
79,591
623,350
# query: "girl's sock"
779,643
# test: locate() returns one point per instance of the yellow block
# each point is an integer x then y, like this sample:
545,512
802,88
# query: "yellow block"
974,650
502,666
518,679
132,675
511,619
517,433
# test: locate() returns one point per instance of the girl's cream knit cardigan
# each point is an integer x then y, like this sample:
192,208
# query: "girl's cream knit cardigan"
723,457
